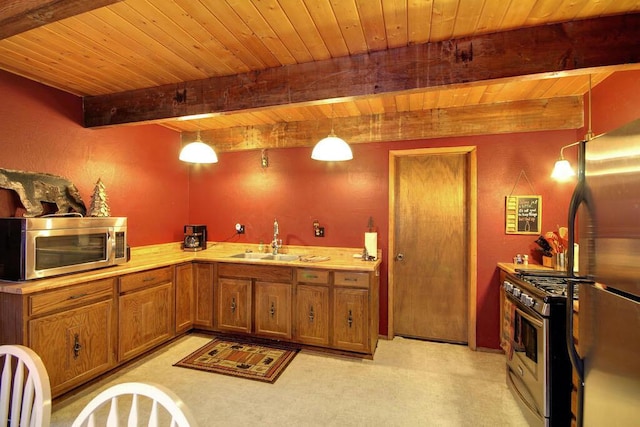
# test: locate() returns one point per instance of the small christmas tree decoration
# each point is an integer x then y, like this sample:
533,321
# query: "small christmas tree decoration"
99,205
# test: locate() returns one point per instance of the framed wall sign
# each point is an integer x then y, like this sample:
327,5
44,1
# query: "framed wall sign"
523,214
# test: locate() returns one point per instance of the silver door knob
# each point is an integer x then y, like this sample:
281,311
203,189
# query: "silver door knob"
400,257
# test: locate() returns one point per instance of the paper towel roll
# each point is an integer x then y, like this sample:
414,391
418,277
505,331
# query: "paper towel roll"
371,244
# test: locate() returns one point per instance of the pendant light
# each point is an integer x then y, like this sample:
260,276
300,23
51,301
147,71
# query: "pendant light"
332,148
562,170
198,152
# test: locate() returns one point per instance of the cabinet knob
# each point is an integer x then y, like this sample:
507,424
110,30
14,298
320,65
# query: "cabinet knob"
311,314
272,310
76,346
350,318
233,305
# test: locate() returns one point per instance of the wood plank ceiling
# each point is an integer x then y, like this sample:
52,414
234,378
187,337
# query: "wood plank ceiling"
115,51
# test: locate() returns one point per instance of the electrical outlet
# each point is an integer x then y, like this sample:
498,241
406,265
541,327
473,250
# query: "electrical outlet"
318,231
239,228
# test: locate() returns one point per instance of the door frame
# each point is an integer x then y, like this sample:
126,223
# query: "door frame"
472,232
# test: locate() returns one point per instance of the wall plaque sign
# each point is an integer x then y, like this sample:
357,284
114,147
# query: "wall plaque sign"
523,214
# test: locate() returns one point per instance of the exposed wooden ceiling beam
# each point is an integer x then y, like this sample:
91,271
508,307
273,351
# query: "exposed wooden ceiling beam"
509,117
17,16
550,49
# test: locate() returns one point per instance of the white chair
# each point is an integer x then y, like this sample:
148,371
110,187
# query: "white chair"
177,411
25,391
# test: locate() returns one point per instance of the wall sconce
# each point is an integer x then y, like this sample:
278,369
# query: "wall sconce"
332,148
562,170
198,152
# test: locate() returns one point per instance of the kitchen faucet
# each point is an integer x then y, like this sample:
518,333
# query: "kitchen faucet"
276,244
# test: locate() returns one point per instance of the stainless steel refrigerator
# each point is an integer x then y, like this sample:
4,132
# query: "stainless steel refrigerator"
604,219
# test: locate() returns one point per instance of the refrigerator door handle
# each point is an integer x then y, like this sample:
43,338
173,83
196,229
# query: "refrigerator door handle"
579,196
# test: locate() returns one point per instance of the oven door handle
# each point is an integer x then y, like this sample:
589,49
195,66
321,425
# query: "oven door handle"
535,321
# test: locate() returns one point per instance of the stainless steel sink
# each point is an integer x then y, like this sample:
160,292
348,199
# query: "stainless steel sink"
282,257
266,257
250,255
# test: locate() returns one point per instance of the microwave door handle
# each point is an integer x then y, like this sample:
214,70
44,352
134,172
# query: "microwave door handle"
111,243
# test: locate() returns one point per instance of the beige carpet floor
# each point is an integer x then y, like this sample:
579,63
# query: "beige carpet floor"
409,383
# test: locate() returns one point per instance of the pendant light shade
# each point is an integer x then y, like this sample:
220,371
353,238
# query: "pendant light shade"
198,152
332,148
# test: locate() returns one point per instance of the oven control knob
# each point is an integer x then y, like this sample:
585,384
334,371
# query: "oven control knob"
507,286
527,300
516,292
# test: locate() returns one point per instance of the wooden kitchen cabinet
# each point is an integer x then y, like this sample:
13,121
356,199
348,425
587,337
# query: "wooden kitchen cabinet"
337,309
350,320
234,305
185,299
254,299
73,330
504,327
312,307
146,308
203,289
273,310
355,311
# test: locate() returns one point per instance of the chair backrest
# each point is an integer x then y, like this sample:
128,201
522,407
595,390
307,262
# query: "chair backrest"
177,413
25,391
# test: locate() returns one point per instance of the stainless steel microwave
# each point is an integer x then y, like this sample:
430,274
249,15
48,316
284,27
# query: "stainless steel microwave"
33,248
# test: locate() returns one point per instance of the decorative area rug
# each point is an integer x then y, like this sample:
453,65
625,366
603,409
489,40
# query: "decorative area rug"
238,358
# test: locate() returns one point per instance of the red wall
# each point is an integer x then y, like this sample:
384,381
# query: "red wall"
40,131
342,196
615,102
146,182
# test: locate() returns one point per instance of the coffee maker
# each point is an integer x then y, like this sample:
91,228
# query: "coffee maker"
195,238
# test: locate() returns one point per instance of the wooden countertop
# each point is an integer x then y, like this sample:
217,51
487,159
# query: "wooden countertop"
155,256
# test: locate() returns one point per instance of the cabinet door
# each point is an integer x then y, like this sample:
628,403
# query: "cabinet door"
203,275
312,314
145,319
234,305
75,345
184,297
350,319
273,309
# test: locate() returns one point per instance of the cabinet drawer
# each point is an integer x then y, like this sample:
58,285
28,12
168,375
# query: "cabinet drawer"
72,296
351,279
144,279
265,273
312,276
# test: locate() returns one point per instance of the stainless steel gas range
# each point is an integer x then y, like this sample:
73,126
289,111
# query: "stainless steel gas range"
538,365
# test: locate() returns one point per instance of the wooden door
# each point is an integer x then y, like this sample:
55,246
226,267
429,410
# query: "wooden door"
203,293
75,345
184,297
273,309
430,269
350,319
146,318
312,314
234,305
